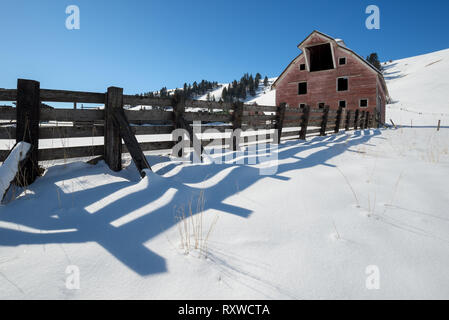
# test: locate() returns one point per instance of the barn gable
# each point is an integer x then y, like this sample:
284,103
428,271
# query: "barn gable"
322,45
314,38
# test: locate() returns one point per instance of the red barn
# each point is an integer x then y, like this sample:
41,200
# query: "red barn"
329,73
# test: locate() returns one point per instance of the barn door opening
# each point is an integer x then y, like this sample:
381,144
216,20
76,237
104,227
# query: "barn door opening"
321,57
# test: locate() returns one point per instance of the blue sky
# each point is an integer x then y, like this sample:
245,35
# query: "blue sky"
144,45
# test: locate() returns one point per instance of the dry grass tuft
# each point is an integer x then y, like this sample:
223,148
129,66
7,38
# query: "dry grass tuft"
191,227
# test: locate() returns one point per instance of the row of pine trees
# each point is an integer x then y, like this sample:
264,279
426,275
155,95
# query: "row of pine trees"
188,91
236,90
239,90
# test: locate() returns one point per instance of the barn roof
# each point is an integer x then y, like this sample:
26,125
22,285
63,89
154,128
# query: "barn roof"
340,43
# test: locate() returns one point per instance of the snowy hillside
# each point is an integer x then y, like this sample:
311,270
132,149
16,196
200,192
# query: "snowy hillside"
264,94
358,215
419,88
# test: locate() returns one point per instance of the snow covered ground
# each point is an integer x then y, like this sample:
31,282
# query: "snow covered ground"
419,88
359,215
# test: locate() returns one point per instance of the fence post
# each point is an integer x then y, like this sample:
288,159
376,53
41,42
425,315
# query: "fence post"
367,115
236,125
348,119
112,138
280,114
27,128
338,120
362,120
179,108
377,120
304,122
324,121
394,125
356,119
363,124
121,121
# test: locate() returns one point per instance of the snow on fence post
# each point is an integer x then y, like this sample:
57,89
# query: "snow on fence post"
27,128
356,119
324,121
237,115
280,114
338,119
12,165
304,122
112,138
348,119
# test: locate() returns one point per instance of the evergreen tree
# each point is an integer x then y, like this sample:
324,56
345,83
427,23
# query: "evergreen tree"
224,94
163,92
202,87
251,89
243,92
257,80
265,81
374,60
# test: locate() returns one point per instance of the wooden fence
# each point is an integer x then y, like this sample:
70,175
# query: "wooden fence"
29,122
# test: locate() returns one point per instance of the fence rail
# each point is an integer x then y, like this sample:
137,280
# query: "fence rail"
30,122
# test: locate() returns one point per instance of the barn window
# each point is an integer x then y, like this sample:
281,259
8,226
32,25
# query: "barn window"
342,84
302,106
321,105
363,103
302,88
302,66
342,104
342,61
321,57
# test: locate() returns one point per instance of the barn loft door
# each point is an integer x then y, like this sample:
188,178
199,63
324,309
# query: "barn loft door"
321,57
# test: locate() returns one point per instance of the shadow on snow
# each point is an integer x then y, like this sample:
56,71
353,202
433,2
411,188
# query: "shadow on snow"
126,242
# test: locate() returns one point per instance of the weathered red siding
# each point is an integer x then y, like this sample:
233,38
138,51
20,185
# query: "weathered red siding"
382,95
